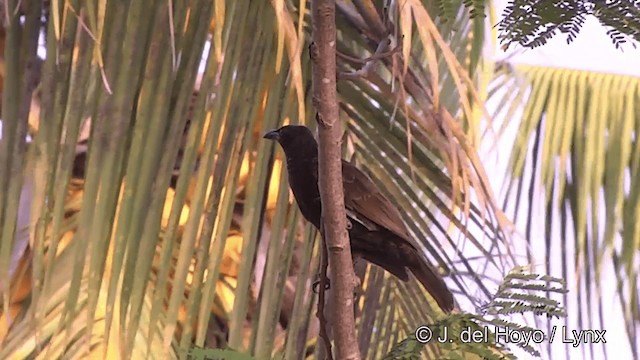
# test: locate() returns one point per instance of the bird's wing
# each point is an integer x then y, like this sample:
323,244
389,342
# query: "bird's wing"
364,202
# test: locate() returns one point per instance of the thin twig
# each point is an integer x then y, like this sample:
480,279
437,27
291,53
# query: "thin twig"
324,280
369,62
370,58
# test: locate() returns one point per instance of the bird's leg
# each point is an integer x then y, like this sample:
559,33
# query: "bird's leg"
359,267
317,281
324,282
321,276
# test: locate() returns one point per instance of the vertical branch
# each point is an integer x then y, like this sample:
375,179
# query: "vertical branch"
323,56
324,281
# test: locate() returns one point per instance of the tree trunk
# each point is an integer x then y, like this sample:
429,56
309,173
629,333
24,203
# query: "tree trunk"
323,55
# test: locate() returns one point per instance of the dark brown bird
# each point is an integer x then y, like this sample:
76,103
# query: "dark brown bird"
376,231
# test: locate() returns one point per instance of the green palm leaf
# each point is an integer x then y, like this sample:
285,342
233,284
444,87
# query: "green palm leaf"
579,130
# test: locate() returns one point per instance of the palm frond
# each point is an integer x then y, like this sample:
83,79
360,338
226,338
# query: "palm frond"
175,229
579,134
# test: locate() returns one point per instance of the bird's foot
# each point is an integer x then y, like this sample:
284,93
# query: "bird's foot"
316,285
357,282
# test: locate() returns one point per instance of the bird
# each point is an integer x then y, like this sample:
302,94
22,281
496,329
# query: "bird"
376,231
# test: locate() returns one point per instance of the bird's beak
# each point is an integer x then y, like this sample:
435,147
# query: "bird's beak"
272,135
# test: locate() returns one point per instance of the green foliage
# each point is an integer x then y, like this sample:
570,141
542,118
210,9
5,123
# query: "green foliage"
198,353
461,335
510,300
578,129
517,295
172,241
408,349
532,23
448,9
476,6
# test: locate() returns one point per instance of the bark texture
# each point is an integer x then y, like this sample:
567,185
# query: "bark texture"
323,56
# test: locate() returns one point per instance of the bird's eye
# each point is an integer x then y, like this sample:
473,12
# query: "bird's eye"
349,225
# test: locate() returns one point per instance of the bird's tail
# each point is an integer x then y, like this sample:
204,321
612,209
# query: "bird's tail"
433,283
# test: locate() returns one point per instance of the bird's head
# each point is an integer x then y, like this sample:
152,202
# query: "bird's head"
292,137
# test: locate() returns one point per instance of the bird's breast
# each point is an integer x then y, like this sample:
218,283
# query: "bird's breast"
304,186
